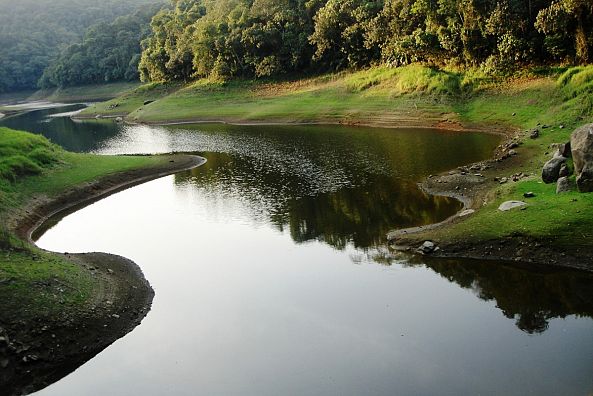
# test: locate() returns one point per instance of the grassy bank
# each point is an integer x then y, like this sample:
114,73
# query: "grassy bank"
416,95
33,168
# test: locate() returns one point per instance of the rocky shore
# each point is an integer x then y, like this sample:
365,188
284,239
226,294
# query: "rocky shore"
473,185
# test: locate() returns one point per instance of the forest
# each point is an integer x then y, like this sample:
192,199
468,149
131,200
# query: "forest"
33,34
77,42
262,38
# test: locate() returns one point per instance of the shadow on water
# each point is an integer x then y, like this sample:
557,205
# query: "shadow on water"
531,296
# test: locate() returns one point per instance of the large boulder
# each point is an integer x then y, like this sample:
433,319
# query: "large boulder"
581,143
551,169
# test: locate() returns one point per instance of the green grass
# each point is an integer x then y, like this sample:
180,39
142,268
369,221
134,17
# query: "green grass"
42,282
85,92
564,218
377,94
130,100
31,166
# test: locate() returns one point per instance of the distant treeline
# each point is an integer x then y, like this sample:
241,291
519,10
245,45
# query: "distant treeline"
257,38
42,42
109,51
33,32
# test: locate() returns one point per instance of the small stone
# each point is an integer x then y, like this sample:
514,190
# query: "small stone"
116,316
529,195
509,205
534,134
514,114
109,270
564,171
427,248
466,213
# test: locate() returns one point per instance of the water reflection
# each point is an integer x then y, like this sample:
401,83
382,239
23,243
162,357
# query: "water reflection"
361,214
531,296
73,136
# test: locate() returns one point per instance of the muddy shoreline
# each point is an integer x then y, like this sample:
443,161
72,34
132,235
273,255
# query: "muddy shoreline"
441,121
37,351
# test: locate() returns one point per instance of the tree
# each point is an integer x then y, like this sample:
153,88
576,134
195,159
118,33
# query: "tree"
569,18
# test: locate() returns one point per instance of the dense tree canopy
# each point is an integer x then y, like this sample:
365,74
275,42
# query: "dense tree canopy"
108,52
256,38
260,38
32,33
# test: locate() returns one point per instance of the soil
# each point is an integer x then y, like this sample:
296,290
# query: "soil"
37,351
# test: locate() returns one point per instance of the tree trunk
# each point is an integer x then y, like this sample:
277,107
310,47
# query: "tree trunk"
581,44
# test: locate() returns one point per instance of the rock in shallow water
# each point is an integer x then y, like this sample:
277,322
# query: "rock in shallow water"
427,248
510,205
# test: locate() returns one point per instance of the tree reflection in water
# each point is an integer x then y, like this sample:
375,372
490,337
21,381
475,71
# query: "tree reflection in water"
360,216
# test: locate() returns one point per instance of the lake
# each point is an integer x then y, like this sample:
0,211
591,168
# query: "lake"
272,274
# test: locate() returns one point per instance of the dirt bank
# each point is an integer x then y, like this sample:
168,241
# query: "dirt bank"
37,351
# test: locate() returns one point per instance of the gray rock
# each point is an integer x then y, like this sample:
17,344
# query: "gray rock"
427,248
564,171
582,153
119,119
563,185
565,149
534,134
529,195
466,213
510,205
551,169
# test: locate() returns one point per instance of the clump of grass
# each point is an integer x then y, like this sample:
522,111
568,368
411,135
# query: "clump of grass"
412,79
577,81
24,154
576,85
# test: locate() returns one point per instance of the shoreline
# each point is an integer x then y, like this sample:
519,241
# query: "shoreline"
386,123
476,192
121,297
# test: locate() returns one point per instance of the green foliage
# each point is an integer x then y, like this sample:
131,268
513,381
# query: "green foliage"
23,154
33,32
222,39
108,52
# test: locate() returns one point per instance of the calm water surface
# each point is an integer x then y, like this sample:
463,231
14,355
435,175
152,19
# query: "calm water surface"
272,277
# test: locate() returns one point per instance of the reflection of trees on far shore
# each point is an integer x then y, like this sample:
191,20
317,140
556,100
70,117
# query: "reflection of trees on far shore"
361,215
532,297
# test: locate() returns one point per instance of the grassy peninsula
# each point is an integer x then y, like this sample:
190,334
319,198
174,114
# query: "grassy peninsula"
554,101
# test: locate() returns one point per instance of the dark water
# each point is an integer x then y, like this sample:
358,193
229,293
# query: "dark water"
272,277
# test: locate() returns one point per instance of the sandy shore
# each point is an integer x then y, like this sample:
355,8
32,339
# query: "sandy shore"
39,351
